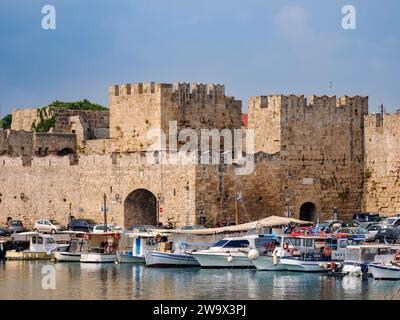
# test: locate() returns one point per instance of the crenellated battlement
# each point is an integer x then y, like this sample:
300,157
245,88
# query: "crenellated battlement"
314,101
180,89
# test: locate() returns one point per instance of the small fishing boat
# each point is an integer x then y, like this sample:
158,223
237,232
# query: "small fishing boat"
306,253
359,257
164,256
73,253
385,271
139,242
102,248
41,247
386,266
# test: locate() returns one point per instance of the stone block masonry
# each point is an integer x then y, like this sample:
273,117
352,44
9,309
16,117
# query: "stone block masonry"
311,155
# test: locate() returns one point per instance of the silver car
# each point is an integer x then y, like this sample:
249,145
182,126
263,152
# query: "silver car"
47,226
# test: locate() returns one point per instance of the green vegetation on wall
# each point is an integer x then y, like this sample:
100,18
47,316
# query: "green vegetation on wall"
47,119
5,123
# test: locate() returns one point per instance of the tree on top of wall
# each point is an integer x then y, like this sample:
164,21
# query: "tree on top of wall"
5,123
84,104
47,118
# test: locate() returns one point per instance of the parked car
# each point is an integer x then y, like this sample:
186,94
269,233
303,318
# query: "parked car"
350,224
85,225
388,234
4,232
15,226
99,228
367,225
392,221
191,227
329,226
141,228
353,234
47,226
372,230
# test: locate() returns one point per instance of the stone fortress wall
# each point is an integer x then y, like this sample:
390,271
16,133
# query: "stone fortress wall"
311,155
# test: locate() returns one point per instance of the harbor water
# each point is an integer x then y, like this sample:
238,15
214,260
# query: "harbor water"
27,280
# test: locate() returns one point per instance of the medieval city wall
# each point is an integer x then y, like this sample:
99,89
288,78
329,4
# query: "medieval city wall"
382,163
47,187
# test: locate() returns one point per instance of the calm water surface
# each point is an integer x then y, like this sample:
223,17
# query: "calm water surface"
23,280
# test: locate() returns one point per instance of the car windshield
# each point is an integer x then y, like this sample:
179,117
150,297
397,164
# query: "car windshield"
389,221
54,221
15,223
360,230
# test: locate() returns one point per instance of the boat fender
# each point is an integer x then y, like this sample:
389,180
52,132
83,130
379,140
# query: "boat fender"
327,251
253,254
230,258
275,259
286,246
117,236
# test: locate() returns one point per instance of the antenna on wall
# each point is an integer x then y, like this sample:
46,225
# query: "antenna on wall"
382,109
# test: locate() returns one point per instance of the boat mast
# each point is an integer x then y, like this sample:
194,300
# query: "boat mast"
236,209
105,212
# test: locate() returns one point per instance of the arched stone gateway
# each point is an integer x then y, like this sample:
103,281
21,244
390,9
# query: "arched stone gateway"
307,212
140,207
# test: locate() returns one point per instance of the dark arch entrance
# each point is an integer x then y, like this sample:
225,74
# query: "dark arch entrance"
307,212
140,208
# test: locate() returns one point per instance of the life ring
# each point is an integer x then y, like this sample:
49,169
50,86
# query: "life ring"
327,251
87,236
158,238
117,236
286,246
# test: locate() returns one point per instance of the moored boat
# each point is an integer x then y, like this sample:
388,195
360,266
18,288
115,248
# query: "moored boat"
307,253
138,243
231,252
359,257
164,256
385,271
41,247
102,248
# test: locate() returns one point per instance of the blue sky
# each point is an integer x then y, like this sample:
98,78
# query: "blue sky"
254,47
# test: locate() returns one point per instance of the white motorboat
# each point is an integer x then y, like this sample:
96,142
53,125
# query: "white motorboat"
165,257
103,248
231,252
309,253
41,247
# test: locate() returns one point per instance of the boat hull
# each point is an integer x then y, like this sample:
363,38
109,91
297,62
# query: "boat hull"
129,258
94,257
223,260
385,272
67,256
266,263
355,268
27,255
301,265
165,259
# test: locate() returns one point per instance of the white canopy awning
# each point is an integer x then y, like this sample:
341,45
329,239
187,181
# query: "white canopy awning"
271,221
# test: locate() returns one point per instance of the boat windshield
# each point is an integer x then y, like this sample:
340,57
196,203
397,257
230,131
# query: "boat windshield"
237,244
220,243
